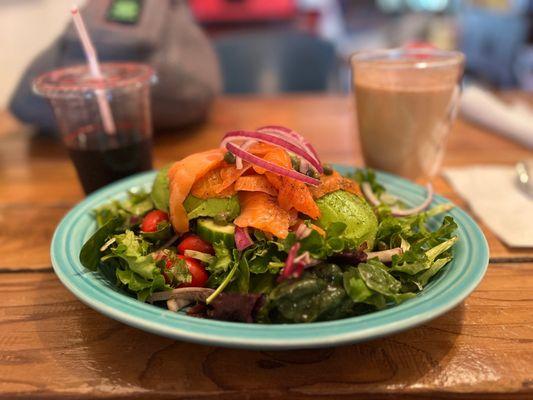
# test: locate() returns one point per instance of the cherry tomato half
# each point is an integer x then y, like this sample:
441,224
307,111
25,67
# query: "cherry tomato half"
193,242
198,272
152,219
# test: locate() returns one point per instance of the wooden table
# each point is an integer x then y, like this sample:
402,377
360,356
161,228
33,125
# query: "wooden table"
51,345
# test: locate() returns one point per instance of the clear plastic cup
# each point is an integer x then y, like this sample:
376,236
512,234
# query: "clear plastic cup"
102,157
406,100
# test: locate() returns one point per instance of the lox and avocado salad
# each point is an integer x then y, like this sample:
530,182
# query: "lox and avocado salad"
259,230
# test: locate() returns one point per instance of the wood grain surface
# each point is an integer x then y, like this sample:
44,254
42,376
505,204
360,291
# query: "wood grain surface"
52,346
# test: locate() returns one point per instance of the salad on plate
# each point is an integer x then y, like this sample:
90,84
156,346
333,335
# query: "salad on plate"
259,230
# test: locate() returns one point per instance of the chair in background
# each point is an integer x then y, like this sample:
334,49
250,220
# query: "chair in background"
273,62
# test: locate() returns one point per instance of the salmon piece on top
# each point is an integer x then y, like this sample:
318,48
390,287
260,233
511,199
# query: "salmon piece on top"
218,182
291,192
334,182
261,211
255,183
182,176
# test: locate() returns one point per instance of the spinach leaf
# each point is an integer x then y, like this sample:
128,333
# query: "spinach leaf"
90,254
160,190
355,286
317,295
295,289
262,283
376,277
311,309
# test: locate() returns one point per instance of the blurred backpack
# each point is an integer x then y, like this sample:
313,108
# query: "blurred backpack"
161,33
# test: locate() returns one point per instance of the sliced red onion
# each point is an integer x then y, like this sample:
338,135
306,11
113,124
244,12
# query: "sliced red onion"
302,231
399,212
272,139
107,244
295,265
245,155
385,255
198,255
369,194
306,260
303,261
242,238
304,166
288,271
290,132
189,294
245,146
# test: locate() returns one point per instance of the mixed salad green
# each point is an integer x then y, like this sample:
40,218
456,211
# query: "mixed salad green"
365,259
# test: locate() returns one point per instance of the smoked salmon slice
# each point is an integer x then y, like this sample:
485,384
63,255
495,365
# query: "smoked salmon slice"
255,183
218,182
261,211
296,194
182,176
334,182
291,193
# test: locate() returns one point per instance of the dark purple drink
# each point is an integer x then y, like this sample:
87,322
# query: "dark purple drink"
97,167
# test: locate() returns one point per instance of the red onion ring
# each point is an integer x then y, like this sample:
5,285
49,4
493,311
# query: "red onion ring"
306,259
245,146
289,262
289,173
287,131
302,231
399,212
369,194
242,238
271,139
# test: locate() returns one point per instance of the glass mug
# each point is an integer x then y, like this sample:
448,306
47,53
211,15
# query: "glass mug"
406,100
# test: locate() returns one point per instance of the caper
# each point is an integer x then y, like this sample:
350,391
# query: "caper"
328,169
295,161
312,173
229,158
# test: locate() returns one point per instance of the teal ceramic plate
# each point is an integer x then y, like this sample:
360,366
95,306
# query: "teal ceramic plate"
456,281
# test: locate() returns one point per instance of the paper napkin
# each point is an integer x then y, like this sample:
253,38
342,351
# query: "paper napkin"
493,195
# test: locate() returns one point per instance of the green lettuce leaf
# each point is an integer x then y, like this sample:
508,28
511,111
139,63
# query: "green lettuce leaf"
138,270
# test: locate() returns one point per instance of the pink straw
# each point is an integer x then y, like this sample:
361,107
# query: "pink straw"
94,67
